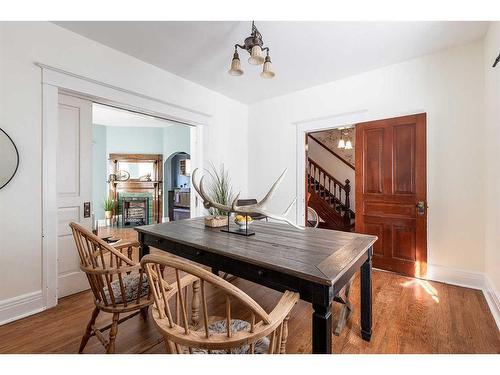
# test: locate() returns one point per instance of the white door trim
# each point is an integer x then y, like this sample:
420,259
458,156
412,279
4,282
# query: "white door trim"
55,81
317,124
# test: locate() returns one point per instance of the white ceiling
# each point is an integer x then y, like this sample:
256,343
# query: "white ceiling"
110,116
304,54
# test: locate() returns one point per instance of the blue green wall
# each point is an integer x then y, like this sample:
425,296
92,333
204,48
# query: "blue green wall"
129,140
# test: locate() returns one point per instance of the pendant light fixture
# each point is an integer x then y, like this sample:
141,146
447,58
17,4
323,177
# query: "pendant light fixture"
255,47
345,144
348,144
341,143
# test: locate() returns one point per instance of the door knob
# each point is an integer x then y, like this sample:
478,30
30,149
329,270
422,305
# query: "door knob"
421,207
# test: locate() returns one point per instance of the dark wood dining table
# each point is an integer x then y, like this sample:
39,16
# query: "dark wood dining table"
316,263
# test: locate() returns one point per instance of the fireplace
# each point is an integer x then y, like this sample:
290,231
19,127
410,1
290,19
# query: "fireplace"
135,211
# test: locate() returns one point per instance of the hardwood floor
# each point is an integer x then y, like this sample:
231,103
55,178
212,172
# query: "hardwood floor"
409,316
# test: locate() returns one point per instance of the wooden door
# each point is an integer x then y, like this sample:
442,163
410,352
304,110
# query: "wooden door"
74,154
391,191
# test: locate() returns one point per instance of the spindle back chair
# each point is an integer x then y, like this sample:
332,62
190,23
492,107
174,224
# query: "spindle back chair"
118,284
255,331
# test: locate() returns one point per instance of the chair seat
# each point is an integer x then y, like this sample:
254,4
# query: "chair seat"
237,325
130,286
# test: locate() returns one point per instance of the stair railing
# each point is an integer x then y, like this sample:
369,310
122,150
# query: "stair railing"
331,190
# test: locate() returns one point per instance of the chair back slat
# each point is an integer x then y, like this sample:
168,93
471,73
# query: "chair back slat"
122,287
228,316
205,309
182,302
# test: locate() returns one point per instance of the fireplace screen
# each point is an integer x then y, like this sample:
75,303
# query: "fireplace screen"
135,211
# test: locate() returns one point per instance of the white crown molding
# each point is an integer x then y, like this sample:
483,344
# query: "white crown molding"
21,306
78,84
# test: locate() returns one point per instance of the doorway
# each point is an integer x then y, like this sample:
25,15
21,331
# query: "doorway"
330,179
109,175
177,172
390,194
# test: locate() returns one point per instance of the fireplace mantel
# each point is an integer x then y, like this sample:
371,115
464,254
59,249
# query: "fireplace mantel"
153,188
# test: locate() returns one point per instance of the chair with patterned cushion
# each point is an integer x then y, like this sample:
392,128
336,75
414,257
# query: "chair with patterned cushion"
245,328
118,284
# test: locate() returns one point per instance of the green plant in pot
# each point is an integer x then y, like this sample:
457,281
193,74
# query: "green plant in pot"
109,206
220,189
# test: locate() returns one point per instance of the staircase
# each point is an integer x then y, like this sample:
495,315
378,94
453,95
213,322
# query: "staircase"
330,198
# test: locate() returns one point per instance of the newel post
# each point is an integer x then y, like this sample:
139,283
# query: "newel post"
347,204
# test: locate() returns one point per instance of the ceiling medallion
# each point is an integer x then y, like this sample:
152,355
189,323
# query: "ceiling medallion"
255,47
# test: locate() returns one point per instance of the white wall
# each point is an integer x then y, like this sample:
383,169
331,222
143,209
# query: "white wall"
22,44
448,86
491,143
334,166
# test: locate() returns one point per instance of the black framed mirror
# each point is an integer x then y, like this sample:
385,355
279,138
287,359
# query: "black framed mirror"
9,158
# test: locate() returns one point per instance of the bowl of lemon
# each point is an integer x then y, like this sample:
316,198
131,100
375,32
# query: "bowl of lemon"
243,221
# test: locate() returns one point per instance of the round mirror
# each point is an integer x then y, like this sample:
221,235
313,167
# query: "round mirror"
9,159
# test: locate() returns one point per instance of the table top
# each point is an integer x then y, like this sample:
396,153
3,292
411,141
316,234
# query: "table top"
318,255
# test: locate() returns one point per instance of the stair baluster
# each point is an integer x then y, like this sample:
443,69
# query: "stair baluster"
338,198
347,204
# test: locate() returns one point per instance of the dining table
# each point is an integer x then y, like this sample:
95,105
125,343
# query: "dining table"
316,263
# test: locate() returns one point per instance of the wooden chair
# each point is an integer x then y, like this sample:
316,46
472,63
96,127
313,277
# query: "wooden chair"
312,219
118,284
345,311
254,332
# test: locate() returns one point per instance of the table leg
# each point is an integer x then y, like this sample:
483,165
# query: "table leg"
322,329
366,298
143,248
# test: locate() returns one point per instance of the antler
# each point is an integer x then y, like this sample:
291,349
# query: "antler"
257,208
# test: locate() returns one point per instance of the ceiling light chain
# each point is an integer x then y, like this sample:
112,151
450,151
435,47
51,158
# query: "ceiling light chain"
254,45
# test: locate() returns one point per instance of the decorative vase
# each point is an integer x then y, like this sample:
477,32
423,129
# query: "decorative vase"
108,214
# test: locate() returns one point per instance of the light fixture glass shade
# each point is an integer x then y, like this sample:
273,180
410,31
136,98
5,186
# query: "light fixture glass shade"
235,67
267,71
341,143
348,145
256,57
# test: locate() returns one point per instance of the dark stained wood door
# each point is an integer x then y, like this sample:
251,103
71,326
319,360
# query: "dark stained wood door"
391,200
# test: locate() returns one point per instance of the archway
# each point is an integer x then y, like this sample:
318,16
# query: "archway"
172,178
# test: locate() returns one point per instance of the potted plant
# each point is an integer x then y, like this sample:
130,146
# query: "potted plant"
109,205
221,192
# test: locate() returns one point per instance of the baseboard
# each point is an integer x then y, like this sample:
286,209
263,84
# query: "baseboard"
468,279
493,299
455,276
21,306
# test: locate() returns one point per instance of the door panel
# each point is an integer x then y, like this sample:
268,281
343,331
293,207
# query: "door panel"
73,187
404,163
373,161
391,170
